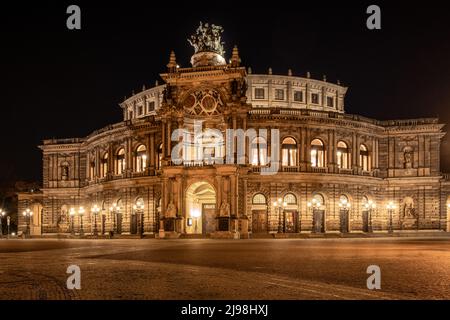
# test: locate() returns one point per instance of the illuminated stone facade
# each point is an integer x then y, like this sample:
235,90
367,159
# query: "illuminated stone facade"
337,172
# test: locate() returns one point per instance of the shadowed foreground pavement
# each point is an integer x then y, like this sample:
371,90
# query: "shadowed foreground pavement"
225,269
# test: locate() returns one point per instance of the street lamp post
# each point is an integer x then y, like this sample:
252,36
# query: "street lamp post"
95,210
27,214
390,207
2,214
314,205
81,214
113,210
280,205
8,222
370,206
138,208
72,225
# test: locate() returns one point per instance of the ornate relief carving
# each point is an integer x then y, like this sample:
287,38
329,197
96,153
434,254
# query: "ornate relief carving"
206,102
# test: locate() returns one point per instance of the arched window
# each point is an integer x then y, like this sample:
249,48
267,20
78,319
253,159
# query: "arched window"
317,153
290,198
289,152
364,160
139,204
259,198
364,200
141,158
92,170
159,155
343,200
120,161
258,152
318,200
104,165
343,155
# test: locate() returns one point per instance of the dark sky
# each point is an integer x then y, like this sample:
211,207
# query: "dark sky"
61,83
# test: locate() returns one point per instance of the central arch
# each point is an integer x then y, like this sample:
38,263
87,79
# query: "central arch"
200,208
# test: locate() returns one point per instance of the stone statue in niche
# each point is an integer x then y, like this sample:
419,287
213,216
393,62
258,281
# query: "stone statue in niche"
409,211
171,211
224,210
407,154
65,173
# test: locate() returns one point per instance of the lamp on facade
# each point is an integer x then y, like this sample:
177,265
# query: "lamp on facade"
390,208
95,211
113,210
369,206
27,214
138,208
2,214
280,205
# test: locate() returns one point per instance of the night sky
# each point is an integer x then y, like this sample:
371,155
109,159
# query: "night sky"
61,83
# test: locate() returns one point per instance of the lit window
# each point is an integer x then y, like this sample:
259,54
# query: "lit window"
289,152
364,160
279,94
104,165
259,93
343,155
150,106
160,156
317,153
259,152
92,170
290,198
315,98
259,198
298,96
120,161
141,158
330,102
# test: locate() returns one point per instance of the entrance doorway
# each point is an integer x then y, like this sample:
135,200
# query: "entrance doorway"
134,223
36,219
259,221
200,208
290,221
343,213
319,221
365,220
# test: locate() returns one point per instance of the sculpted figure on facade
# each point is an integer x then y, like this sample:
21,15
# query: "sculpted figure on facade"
171,211
207,38
224,210
408,208
407,154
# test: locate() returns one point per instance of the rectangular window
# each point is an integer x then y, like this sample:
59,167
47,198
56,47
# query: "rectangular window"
151,106
279,94
315,98
259,93
330,102
298,96
140,110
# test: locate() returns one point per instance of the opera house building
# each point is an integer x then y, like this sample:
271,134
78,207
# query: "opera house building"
218,151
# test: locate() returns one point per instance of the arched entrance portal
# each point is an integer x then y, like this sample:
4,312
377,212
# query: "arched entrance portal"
200,208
